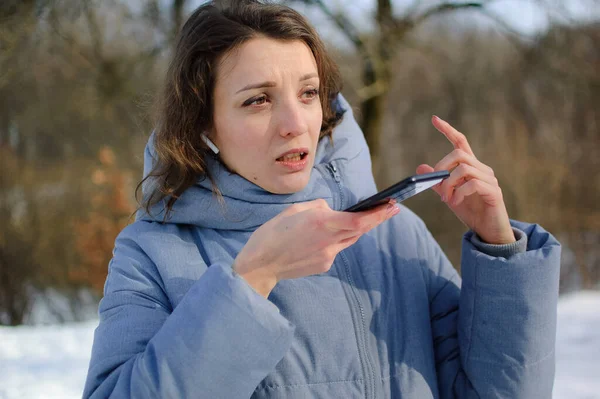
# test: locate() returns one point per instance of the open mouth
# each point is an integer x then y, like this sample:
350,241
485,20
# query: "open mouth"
294,157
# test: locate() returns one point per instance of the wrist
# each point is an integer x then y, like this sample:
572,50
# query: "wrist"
501,234
260,279
501,238
500,241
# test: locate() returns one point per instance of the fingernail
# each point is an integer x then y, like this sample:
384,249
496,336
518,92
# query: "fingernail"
390,208
443,197
393,210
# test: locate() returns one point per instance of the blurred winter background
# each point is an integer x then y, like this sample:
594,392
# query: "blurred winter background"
520,78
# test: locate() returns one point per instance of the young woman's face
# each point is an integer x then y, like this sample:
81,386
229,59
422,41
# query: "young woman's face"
267,113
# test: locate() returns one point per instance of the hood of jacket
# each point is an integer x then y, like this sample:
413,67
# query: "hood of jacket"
247,206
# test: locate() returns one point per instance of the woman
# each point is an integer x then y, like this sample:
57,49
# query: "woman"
244,279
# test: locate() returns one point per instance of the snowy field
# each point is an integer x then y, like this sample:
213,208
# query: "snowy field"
51,361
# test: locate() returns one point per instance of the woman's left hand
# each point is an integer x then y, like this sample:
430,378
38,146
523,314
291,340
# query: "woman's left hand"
472,190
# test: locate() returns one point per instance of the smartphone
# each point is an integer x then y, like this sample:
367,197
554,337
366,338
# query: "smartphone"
402,190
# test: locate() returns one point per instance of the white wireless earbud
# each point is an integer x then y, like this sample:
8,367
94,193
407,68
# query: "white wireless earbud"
209,143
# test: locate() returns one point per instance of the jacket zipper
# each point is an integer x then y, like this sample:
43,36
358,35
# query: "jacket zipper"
360,329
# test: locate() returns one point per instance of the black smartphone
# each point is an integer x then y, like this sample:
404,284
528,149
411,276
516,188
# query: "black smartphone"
402,190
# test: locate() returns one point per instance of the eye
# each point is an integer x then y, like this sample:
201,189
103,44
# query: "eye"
312,93
259,100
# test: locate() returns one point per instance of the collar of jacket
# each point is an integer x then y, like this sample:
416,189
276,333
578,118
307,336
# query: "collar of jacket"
247,206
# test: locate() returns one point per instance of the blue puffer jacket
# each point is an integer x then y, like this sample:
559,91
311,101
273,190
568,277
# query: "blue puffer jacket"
389,320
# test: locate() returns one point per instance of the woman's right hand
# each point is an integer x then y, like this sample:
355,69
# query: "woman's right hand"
303,240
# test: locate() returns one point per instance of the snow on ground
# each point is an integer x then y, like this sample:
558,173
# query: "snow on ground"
578,347
44,361
51,361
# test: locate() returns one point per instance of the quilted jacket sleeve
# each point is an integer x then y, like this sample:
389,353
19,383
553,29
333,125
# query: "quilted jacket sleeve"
494,332
219,342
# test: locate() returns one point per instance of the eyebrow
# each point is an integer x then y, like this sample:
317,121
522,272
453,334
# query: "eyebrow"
273,84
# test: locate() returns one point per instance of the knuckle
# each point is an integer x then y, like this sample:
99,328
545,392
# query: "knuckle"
321,203
357,224
461,138
460,153
456,155
295,208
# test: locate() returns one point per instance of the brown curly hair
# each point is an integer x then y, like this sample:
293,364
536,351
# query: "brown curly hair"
185,107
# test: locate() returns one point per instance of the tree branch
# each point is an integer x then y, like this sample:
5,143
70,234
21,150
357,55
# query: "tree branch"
514,36
442,9
94,30
343,24
177,16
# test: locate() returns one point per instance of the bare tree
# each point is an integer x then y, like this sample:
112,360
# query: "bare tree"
376,51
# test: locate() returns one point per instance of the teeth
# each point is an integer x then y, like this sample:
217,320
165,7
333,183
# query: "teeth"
292,157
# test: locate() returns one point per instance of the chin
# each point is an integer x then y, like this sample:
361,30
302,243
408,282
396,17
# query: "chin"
290,184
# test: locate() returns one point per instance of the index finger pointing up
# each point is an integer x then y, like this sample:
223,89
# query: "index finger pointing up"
458,140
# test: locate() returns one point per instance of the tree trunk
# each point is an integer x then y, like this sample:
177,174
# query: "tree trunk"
177,14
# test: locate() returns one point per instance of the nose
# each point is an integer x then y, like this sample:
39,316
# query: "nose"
292,119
